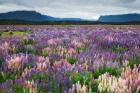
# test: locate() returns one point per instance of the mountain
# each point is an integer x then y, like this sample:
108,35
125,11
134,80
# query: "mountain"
32,16
134,17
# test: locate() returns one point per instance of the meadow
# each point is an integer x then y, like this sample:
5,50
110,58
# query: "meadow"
70,59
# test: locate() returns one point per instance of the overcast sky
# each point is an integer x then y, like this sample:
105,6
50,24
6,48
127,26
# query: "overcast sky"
86,9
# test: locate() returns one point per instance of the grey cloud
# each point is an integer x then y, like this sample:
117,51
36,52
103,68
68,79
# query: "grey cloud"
73,8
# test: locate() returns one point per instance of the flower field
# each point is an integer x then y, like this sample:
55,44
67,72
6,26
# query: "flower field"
70,59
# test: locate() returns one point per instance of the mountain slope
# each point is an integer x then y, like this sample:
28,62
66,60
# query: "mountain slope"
33,16
120,18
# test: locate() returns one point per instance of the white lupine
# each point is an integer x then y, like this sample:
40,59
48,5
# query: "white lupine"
78,88
30,86
112,84
25,72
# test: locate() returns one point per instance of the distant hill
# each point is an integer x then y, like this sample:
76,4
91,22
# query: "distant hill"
134,17
32,16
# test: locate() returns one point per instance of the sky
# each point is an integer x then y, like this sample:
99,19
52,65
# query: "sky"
85,9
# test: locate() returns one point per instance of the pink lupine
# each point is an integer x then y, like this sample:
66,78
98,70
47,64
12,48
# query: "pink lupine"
62,65
132,77
52,42
14,63
77,43
109,37
71,51
42,64
47,50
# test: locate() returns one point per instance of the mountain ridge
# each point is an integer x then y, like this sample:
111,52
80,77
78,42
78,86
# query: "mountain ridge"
33,16
131,17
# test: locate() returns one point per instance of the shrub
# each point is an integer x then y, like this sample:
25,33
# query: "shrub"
134,61
117,48
75,77
71,60
80,49
11,33
28,42
102,70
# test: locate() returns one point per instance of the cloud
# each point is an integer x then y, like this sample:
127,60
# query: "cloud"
87,9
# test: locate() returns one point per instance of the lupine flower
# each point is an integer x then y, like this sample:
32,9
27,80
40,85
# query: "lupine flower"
14,63
111,84
31,85
52,42
47,50
42,64
62,65
71,51
78,88
132,78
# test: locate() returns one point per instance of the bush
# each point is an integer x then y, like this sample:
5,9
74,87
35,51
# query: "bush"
28,42
71,60
25,50
134,61
75,77
1,62
94,86
102,70
117,48
80,49
11,33
0,34
1,78
17,89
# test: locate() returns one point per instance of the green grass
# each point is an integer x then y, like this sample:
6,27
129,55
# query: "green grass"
13,33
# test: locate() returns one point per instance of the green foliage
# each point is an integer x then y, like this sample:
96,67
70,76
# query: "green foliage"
43,53
87,77
94,86
117,48
28,42
134,61
8,76
25,50
84,78
71,60
0,34
41,88
75,77
11,33
39,76
102,70
17,89
1,62
2,79
80,49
